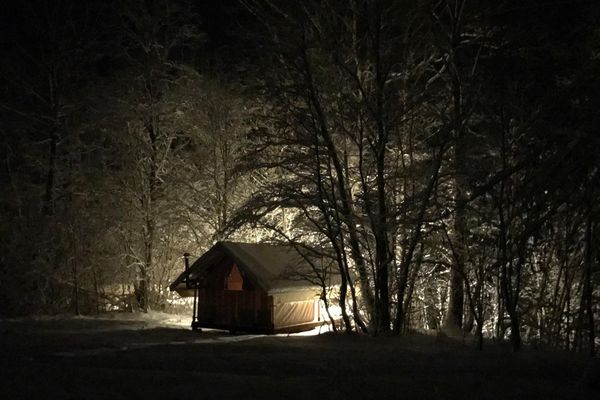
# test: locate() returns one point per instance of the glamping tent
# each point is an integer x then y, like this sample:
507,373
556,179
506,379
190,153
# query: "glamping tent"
251,287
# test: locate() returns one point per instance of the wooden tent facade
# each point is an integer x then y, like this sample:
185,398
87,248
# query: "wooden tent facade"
251,288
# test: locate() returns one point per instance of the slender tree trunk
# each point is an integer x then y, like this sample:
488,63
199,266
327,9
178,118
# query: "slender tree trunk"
97,290
147,265
326,303
554,325
499,310
469,321
568,322
410,287
48,207
479,335
587,293
515,330
382,245
511,299
343,295
334,227
75,287
454,315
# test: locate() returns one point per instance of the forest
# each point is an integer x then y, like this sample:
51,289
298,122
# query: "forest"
441,157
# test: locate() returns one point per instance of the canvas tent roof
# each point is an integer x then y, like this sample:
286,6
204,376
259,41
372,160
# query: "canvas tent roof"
273,267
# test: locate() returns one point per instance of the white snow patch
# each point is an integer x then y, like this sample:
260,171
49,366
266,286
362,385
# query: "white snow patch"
313,332
151,319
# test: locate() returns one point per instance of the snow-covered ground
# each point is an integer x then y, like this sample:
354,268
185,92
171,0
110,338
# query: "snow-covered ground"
133,356
118,323
152,319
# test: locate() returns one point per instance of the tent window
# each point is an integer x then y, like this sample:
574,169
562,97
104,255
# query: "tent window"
234,280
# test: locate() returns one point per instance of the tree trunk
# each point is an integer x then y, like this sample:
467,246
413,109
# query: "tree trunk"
97,290
515,330
75,288
454,316
469,322
453,320
143,299
479,335
587,293
48,207
343,295
326,303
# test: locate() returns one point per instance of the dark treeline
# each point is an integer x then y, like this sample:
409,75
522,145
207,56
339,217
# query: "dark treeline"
442,155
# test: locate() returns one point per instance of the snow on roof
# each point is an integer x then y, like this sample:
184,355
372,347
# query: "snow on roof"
274,267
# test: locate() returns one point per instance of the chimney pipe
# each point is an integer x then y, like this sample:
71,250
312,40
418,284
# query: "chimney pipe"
186,260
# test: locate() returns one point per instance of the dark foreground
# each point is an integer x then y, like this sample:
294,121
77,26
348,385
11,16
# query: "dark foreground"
91,359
